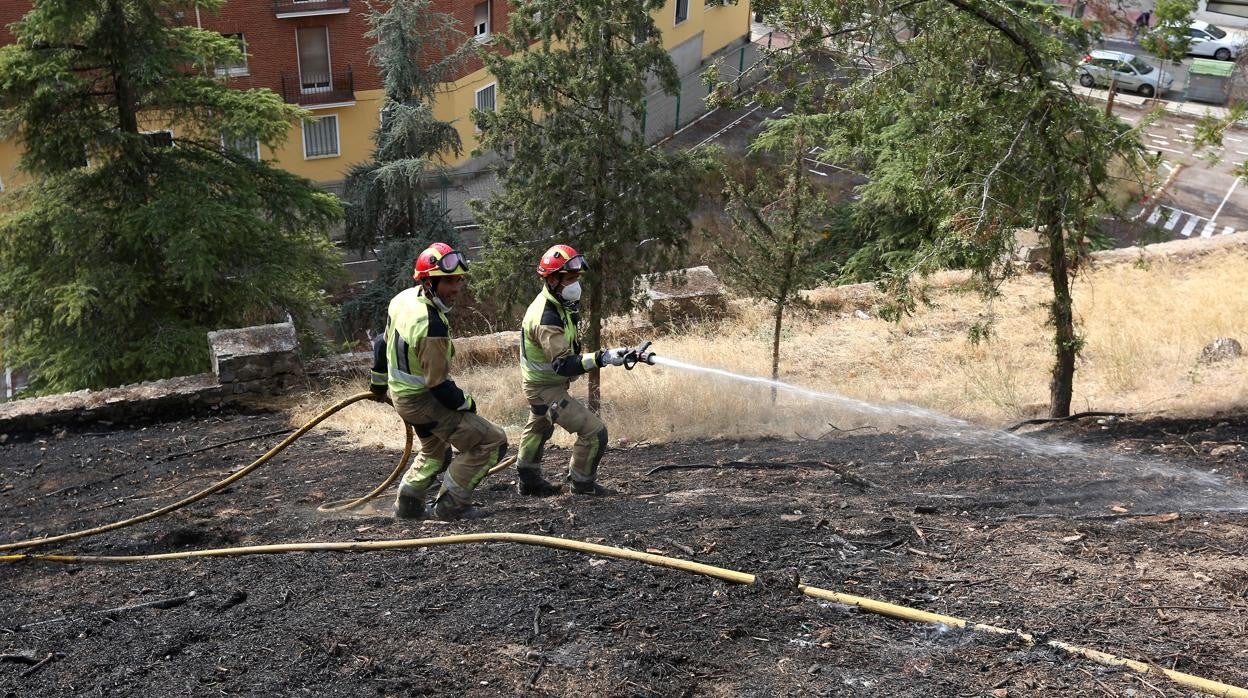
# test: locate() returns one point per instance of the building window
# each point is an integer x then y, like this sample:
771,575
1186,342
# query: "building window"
247,146
159,139
239,67
481,21
313,45
320,137
682,10
485,97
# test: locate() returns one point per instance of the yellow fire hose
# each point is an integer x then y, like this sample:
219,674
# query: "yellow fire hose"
333,506
329,507
1203,685
345,504
870,605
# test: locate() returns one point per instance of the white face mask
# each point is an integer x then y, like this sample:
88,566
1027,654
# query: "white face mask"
572,292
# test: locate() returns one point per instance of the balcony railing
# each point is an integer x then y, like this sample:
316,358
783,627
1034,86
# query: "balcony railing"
308,8
312,89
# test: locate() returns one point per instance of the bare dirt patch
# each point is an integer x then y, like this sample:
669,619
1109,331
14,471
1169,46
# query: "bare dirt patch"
1125,558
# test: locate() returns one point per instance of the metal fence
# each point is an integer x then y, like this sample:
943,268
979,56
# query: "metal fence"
743,65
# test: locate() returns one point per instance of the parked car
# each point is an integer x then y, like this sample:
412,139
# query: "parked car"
1129,70
1212,41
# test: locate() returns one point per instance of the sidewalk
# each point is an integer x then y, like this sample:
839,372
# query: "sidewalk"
1191,110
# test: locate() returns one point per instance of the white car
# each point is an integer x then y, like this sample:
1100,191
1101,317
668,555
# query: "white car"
1128,70
1213,41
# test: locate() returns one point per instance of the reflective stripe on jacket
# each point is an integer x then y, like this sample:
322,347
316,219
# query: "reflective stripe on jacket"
418,344
549,349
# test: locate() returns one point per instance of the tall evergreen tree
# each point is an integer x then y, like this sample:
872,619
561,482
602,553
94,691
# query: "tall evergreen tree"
385,197
781,221
975,119
572,79
126,248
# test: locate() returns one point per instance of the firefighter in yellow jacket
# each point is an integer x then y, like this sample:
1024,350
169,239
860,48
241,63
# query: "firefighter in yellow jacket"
413,360
550,359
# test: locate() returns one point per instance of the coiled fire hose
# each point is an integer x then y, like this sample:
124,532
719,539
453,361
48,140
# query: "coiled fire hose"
1208,686
869,605
333,506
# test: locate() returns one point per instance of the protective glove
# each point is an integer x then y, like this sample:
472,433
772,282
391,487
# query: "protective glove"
379,393
613,357
469,405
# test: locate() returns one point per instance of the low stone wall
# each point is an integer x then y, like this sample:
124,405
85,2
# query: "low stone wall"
139,402
488,349
246,363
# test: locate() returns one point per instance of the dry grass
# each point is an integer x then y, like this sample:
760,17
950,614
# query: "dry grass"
1145,325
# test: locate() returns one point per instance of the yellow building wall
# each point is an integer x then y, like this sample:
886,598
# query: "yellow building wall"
677,34
455,102
9,175
720,25
356,125
723,25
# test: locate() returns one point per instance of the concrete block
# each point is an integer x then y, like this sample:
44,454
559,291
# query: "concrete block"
254,353
685,295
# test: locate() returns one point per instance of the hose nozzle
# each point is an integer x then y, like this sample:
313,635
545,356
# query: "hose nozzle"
639,354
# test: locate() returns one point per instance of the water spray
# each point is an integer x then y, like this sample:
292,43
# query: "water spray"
1229,497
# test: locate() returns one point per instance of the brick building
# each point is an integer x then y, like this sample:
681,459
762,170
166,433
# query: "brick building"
314,53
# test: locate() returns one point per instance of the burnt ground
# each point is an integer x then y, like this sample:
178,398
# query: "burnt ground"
1086,550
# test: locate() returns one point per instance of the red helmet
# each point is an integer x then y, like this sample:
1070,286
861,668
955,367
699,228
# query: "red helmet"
439,259
561,258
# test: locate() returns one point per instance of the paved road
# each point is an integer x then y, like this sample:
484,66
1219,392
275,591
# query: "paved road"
1206,198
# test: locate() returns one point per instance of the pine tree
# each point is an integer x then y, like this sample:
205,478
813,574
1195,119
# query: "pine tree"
124,250
572,79
973,126
385,201
783,239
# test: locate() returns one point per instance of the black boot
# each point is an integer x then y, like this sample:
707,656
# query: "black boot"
532,484
410,507
447,508
590,488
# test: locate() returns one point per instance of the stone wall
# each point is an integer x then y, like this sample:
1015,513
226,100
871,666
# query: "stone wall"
685,295
246,363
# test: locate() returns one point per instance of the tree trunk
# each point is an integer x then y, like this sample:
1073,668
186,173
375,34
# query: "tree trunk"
1066,344
775,347
593,340
127,109
598,282
797,182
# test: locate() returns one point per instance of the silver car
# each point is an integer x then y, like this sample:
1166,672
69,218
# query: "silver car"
1129,71
1213,41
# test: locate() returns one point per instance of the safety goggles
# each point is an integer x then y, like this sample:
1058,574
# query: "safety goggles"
576,264
451,261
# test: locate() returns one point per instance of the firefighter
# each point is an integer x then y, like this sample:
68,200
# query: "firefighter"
550,359
413,361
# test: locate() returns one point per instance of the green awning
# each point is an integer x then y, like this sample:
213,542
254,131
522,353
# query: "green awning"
1218,69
